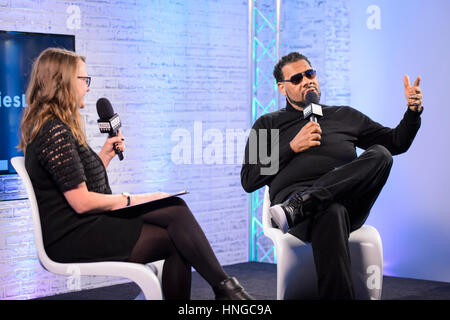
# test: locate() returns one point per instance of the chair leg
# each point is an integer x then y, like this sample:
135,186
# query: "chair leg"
140,296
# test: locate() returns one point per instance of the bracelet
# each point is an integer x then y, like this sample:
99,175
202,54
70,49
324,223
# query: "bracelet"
126,194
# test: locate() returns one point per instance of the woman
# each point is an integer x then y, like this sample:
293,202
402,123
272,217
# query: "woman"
79,215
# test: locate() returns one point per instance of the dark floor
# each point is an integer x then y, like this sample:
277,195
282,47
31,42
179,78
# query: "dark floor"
259,279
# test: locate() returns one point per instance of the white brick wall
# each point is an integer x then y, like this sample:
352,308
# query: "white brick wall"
165,65
321,31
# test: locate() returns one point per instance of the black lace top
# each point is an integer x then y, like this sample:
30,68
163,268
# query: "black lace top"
68,162
56,163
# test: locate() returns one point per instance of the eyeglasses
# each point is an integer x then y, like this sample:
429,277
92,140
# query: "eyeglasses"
87,80
297,78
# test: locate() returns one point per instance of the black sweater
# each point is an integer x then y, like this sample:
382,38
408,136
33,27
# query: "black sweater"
343,129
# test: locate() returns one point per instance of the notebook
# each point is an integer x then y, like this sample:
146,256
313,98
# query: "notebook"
171,195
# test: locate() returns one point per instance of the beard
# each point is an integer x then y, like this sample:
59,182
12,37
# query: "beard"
300,103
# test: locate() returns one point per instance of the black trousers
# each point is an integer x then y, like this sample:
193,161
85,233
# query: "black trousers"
346,195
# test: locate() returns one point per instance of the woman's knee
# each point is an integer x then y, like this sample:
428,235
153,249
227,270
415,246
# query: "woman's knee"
154,243
178,204
179,211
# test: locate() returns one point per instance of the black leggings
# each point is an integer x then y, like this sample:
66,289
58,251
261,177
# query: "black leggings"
170,232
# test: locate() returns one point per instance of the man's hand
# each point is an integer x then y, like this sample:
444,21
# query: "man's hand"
413,94
309,136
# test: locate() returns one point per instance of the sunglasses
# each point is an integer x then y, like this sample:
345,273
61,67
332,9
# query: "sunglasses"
297,78
86,79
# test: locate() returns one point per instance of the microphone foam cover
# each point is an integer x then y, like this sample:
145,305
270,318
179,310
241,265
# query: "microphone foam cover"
311,97
104,108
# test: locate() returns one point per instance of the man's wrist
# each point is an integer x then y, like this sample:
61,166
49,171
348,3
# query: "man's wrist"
415,110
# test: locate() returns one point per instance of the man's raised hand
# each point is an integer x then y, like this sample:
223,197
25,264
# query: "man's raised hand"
413,94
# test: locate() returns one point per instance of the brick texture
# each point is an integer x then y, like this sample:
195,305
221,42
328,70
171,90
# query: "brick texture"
165,65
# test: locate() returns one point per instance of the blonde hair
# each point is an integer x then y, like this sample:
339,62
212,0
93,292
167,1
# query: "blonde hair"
52,93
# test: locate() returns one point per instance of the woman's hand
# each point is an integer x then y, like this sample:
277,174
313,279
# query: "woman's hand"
145,197
83,201
108,152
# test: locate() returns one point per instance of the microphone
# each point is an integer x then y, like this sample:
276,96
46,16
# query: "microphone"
313,109
109,121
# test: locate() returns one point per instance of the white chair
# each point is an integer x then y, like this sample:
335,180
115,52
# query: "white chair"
146,277
296,273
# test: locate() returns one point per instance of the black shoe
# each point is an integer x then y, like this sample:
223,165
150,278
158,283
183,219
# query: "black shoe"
291,212
230,289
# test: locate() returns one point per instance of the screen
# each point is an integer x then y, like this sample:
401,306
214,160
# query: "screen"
18,50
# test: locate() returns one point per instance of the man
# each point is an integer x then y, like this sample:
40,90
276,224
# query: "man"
322,191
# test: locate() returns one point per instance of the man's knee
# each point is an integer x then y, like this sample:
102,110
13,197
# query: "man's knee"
381,154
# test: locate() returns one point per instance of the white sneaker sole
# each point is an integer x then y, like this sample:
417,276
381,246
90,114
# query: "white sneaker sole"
279,217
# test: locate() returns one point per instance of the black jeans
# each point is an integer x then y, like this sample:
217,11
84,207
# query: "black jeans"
346,195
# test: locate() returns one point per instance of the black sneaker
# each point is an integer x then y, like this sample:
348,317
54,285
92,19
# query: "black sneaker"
291,212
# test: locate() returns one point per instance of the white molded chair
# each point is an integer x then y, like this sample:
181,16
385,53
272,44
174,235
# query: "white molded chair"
296,273
146,277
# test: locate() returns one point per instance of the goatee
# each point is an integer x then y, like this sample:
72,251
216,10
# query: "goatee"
300,104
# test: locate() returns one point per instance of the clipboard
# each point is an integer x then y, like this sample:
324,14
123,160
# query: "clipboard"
144,204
